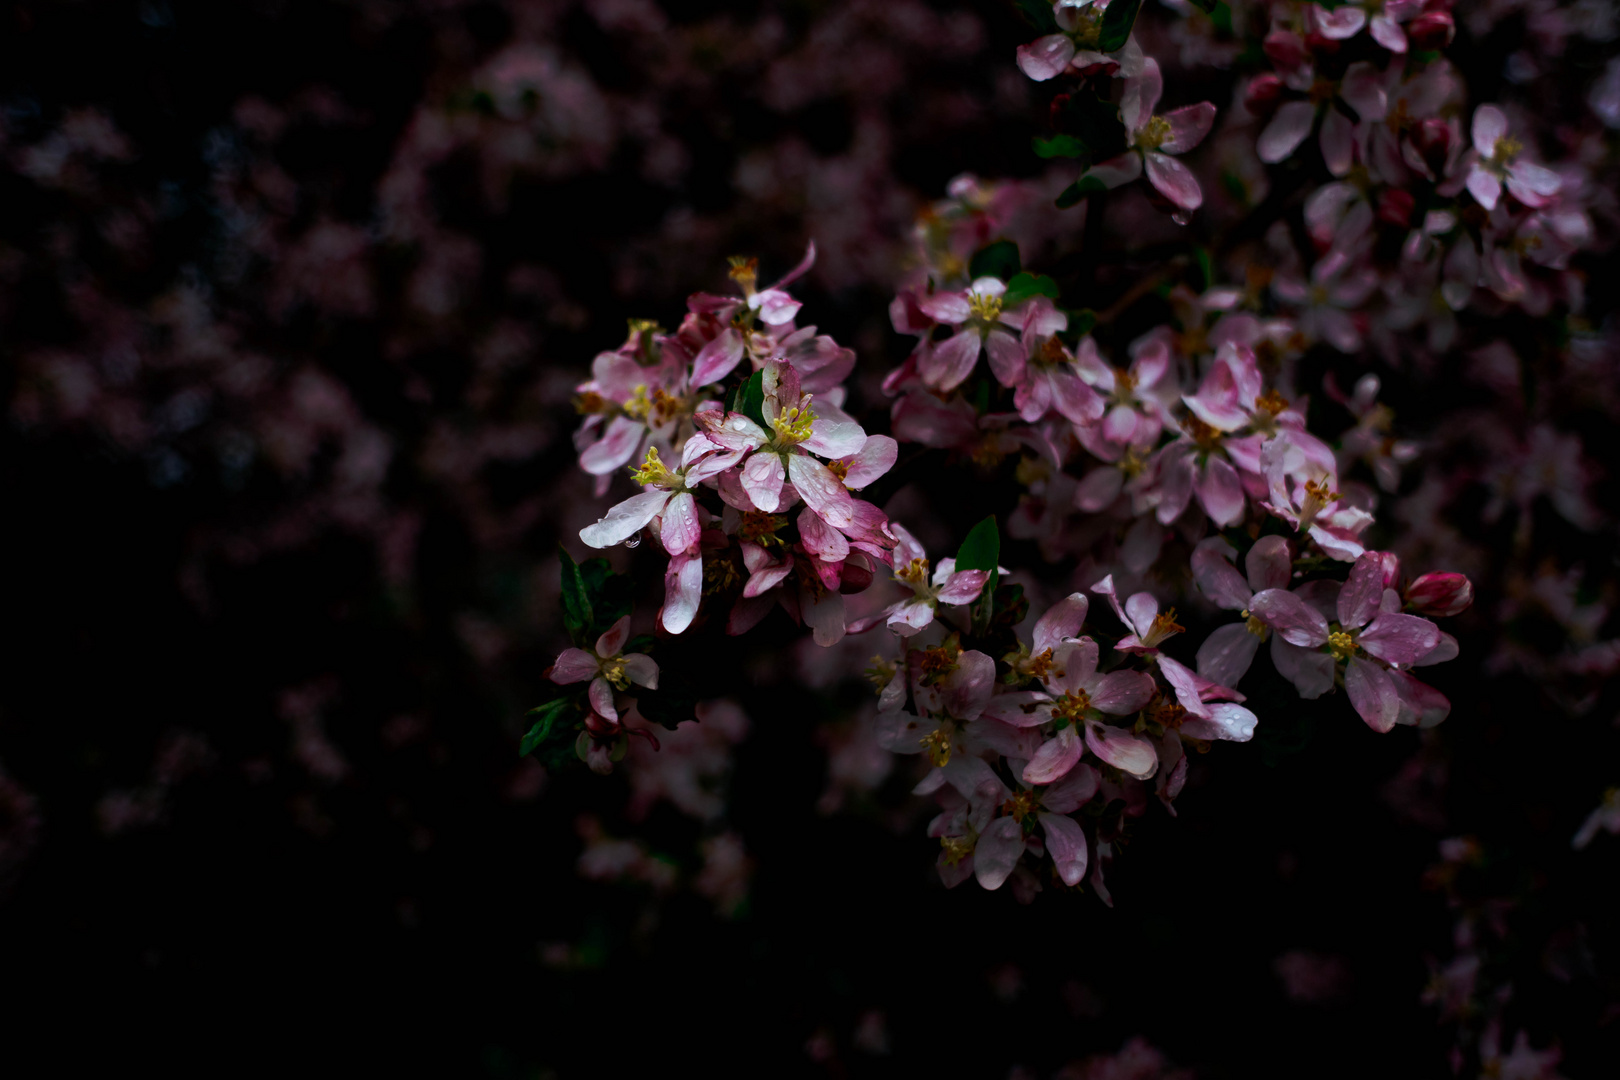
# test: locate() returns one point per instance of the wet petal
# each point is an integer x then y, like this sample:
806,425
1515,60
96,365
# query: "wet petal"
683,590
1073,791
641,669
1226,654
1310,671
1217,577
1131,754
574,665
874,459
1045,58
611,643
1298,622
717,359
1120,693
1399,639
1372,693
1174,180
615,448
1061,621
1188,126
1358,600
821,490
970,686
1066,843
963,587
1270,564
1232,723
945,364
680,529
1055,758
762,478
625,519
1286,131
997,852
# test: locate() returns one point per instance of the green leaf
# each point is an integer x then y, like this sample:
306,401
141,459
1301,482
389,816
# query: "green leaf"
1117,20
1082,322
1026,285
548,714
1038,13
1080,189
999,260
1205,266
1221,15
982,548
1057,146
577,614
752,398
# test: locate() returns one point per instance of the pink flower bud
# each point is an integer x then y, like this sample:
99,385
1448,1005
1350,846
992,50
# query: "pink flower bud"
1440,594
1263,95
1432,31
1395,207
1286,49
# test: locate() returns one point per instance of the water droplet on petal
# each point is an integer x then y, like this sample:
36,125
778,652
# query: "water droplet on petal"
1181,217
633,541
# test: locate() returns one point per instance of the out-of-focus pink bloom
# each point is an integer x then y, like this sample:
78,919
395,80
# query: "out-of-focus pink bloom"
1154,138
1135,414
607,669
1361,89
772,306
1497,159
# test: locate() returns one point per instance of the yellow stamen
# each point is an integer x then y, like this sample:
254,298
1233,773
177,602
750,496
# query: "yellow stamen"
956,848
1342,645
1506,149
793,425
1201,433
638,406
1020,806
1154,133
744,271
880,672
1071,708
652,471
613,671
914,572
758,527
986,309
937,744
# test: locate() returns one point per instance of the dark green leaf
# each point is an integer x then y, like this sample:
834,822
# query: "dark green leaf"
547,716
1082,322
982,548
1205,267
999,259
753,398
1080,189
1057,146
577,614
1038,13
1221,16
1117,20
1025,285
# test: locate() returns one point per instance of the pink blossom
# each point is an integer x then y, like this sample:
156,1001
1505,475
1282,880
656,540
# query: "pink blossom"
608,667
948,585
1154,138
1497,159
981,325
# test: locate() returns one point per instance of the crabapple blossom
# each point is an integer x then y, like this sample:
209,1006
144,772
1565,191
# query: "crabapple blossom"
608,668
1153,139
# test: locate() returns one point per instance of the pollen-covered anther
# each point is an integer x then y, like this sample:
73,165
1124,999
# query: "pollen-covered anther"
1154,133
1254,626
984,308
1272,402
956,848
1342,644
839,469
914,572
1506,149
937,662
653,471
1201,433
1040,666
613,671
1317,498
937,744
793,425
1071,707
1164,624
758,527
719,575
1020,806
744,271
1052,352
590,403
880,672
639,404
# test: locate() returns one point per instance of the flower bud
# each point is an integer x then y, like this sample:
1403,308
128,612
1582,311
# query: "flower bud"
1286,49
1440,594
1263,95
1432,31
1395,207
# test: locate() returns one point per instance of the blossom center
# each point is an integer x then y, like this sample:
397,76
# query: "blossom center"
986,309
937,744
745,272
758,527
1201,433
1254,626
914,572
1342,643
1506,149
936,663
1071,708
1164,625
654,472
612,670
1020,806
1317,498
956,848
1154,134
793,425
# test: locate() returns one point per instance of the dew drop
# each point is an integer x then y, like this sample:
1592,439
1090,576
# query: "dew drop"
1181,217
633,541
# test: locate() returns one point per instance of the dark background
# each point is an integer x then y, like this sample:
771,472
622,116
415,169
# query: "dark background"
285,466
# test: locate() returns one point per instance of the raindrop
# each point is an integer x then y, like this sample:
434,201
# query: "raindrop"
1181,217
633,541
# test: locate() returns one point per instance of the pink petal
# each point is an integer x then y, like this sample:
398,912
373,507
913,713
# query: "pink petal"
1232,723
1140,96
875,458
1006,740
1021,709
1117,171
1120,693
1372,693
1421,704
1533,184
1291,617
1310,671
963,587
997,852
717,359
641,669
1072,792
1270,565
1188,126
1078,402
824,613
1490,125
1440,594
1358,600
680,530
1340,23
574,665
1142,609
1221,493
611,643
1061,621
834,438
1218,578
615,448
1044,58
1187,684
762,477
775,307
1006,357
1337,139
821,539
946,307
601,698
1131,754
625,519
1286,131
908,618
1174,180
1226,654
821,490
1098,489
1399,639
799,270
1067,845
970,685
1484,186
945,364
683,590
1074,665
1055,757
